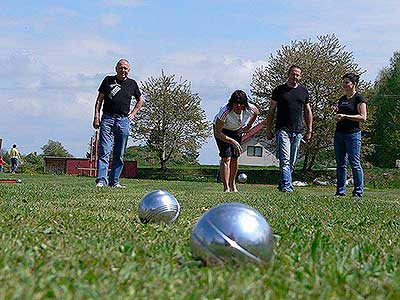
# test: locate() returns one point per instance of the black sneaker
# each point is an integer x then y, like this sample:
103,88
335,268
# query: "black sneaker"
357,195
340,194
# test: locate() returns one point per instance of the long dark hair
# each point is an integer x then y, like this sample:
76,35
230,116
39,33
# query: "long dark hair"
240,97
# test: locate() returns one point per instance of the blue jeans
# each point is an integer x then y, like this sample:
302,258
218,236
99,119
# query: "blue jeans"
14,164
112,131
348,148
288,144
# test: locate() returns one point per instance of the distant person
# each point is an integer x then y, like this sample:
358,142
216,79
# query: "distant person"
351,110
15,157
2,164
291,101
233,119
116,93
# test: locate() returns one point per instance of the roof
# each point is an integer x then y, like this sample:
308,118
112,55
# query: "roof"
252,132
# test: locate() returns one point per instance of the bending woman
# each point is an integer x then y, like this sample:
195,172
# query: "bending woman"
351,110
232,120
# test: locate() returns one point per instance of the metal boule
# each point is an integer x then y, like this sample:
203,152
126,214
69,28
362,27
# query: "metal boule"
232,232
158,207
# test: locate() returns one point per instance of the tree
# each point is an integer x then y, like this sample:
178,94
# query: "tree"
146,157
55,148
142,154
323,64
33,163
385,130
171,123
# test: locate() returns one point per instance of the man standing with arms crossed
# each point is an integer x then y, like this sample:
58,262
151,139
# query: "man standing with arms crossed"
290,100
116,93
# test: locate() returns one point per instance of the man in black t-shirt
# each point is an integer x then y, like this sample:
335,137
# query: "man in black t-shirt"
290,100
115,95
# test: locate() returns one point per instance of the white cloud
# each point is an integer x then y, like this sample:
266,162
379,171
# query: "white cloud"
75,55
213,70
45,105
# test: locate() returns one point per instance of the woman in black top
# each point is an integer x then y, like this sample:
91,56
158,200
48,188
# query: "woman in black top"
351,110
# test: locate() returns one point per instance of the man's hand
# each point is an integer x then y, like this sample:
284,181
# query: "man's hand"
270,134
131,116
97,108
96,122
307,136
138,106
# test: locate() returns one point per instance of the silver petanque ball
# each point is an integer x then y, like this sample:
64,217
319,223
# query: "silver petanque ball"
232,232
242,178
158,207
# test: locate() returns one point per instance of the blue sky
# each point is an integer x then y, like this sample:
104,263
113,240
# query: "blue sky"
54,54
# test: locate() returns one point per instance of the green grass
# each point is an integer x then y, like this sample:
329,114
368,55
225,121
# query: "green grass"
61,238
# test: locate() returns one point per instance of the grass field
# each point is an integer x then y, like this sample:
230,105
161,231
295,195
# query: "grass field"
63,238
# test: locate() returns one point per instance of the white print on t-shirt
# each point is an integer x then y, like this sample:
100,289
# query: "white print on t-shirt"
115,88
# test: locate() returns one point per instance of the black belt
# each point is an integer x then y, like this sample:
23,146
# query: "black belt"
115,115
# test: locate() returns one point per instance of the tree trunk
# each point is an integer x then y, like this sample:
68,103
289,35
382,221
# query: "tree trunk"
163,165
304,169
312,162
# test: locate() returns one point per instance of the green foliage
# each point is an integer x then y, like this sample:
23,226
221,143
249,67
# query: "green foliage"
6,157
61,238
385,130
32,164
55,148
323,64
373,177
171,122
142,154
145,156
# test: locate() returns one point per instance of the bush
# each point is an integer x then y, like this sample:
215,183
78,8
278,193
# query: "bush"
374,177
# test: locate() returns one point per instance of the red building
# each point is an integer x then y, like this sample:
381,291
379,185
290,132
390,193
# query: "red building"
83,166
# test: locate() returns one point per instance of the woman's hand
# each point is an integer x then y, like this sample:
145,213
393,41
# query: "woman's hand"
245,129
339,117
237,148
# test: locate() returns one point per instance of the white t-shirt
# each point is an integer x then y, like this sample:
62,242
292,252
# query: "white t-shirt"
233,121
